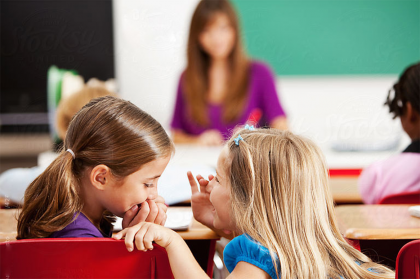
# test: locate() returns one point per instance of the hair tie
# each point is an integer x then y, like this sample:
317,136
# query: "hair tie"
72,153
238,139
251,128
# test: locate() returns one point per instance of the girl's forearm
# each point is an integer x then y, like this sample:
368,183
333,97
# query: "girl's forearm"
182,261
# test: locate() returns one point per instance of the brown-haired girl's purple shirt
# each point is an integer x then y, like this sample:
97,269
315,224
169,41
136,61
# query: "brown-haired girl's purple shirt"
262,100
80,227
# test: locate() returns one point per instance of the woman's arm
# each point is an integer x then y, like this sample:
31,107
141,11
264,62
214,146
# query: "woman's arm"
280,122
179,136
207,138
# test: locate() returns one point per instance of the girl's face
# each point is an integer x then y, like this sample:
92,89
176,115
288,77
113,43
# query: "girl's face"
220,195
218,37
136,188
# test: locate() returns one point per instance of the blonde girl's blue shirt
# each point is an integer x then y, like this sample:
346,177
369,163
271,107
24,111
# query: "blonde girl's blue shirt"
244,249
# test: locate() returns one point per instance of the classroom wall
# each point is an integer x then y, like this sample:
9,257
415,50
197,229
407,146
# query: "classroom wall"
150,43
150,49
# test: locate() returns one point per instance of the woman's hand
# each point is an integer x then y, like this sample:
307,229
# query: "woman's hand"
200,200
153,211
143,234
210,138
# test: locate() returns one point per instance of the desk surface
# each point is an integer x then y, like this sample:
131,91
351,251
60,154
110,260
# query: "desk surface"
375,222
344,189
8,223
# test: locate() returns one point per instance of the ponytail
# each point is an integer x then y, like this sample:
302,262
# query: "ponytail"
51,200
108,131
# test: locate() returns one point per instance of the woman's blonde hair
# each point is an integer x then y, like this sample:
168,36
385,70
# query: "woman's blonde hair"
280,198
108,131
196,77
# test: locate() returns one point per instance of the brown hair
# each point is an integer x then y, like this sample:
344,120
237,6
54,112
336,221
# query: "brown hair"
107,131
69,106
407,89
280,198
196,80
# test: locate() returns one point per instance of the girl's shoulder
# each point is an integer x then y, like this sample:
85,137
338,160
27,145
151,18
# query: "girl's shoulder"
244,248
79,227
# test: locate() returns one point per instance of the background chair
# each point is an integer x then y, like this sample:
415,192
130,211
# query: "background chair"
408,261
80,258
402,198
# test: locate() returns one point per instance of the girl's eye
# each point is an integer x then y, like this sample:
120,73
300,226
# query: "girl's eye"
217,180
148,184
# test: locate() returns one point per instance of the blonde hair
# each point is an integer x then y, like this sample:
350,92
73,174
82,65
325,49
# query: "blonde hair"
280,198
107,131
69,106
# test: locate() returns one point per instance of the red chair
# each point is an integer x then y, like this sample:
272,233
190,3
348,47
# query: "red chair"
408,261
80,258
402,198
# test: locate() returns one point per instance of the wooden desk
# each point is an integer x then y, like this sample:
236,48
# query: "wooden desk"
344,189
8,224
377,222
379,230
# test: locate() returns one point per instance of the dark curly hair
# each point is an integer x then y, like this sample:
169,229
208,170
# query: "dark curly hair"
407,89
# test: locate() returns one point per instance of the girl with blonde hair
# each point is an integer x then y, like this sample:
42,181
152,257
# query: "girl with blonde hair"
113,156
270,189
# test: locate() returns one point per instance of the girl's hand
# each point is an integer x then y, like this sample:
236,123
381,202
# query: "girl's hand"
143,234
150,211
200,200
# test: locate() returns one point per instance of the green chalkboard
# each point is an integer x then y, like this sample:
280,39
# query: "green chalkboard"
336,37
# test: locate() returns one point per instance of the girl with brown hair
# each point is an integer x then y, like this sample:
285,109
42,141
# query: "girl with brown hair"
221,87
113,156
271,189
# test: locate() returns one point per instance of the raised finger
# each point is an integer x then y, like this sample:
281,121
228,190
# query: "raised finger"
203,183
191,180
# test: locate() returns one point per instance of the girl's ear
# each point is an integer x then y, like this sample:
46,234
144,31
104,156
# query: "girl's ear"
412,115
100,176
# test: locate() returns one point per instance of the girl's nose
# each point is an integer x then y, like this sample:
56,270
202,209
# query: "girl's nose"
153,193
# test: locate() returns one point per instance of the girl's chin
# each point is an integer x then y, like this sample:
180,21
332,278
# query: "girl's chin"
217,225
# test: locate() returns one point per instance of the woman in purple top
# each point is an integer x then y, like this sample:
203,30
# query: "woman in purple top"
221,88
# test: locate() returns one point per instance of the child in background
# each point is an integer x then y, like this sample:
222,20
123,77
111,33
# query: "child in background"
113,156
271,189
401,173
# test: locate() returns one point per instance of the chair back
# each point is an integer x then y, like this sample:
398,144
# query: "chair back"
80,258
402,198
408,261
